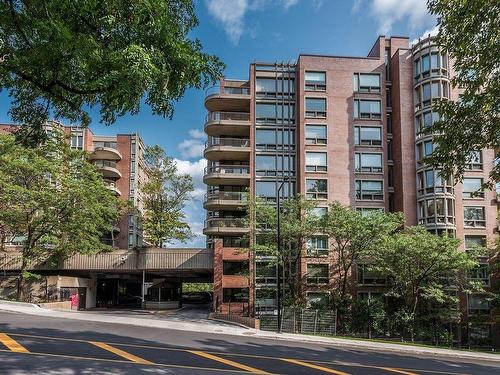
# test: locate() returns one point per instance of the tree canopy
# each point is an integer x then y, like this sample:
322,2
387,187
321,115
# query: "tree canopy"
469,32
60,57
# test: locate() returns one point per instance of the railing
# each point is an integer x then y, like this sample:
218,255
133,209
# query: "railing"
104,163
226,196
228,116
228,169
228,90
120,260
98,144
225,223
231,142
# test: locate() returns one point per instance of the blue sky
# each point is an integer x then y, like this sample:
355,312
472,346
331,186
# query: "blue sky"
241,31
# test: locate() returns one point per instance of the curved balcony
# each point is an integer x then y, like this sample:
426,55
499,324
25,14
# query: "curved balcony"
108,168
227,98
112,186
227,123
227,149
227,175
217,226
105,152
224,200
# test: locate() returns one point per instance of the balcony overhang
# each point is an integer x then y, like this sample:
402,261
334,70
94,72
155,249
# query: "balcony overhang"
220,152
106,153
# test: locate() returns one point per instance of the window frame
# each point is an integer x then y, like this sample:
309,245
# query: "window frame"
316,141
316,195
358,115
366,89
314,85
317,168
315,113
358,165
375,196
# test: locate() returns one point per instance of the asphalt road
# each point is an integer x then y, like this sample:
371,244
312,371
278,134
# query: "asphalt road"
30,345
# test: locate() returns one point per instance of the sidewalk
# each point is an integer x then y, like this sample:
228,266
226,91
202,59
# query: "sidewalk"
220,328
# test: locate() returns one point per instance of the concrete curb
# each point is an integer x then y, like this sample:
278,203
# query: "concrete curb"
16,303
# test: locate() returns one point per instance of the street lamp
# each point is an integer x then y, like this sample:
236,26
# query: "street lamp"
278,283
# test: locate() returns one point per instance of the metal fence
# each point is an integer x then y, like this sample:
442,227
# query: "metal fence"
306,321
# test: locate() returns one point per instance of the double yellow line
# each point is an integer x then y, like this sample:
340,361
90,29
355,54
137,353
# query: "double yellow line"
12,344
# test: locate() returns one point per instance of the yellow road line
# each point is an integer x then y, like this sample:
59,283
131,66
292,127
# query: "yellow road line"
121,353
12,344
228,362
316,367
124,361
397,370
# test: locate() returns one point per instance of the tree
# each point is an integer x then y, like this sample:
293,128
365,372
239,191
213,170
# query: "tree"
469,32
355,237
164,195
297,224
423,267
61,57
53,201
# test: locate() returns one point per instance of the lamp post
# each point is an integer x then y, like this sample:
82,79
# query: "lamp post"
278,283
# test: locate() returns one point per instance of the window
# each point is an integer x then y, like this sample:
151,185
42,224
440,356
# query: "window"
265,273
366,82
265,189
472,188
425,63
481,273
367,109
316,134
424,149
369,190
315,107
416,67
317,273
316,189
267,113
316,162
474,217
270,139
435,60
230,267
474,242
319,211
270,87
235,242
477,305
77,141
265,137
265,165
368,163
317,246
317,300
367,136
475,160
234,295
367,211
315,81
367,276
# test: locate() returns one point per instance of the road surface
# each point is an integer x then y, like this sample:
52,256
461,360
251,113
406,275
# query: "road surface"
41,345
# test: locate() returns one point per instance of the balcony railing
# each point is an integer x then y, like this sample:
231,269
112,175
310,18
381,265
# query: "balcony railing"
98,144
228,169
105,163
226,196
225,223
228,116
229,142
228,90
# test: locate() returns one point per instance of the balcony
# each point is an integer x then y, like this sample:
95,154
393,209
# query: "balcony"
111,185
227,149
108,168
105,151
227,123
227,175
224,200
216,226
228,98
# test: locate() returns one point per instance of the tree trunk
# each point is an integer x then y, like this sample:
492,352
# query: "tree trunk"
21,282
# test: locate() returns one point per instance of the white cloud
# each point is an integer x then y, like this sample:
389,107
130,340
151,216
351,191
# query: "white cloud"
197,134
388,12
193,147
289,3
430,32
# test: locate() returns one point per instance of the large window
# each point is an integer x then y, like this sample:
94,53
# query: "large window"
316,134
369,190
367,136
271,139
268,113
275,165
367,109
367,276
475,160
368,162
270,87
472,188
77,141
367,211
316,162
366,82
230,267
319,211
316,189
234,295
265,273
474,217
317,273
474,242
478,305
439,210
265,189
315,107
235,242
481,273
317,246
315,81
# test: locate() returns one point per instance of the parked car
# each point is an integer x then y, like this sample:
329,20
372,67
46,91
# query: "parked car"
197,297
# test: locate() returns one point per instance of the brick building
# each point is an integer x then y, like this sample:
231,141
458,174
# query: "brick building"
334,128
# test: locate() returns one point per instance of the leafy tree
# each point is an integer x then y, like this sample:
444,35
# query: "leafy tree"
53,201
61,57
164,195
469,33
423,268
297,223
355,238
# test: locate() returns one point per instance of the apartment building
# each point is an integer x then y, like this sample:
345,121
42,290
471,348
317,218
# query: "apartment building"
120,159
334,128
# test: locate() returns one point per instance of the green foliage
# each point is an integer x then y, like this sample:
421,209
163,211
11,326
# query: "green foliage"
164,195
197,287
469,32
61,57
356,238
52,200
